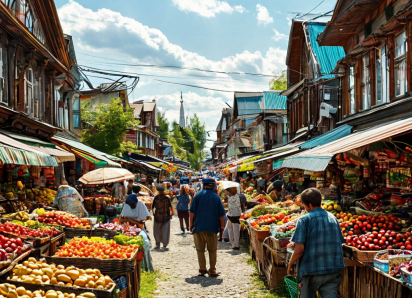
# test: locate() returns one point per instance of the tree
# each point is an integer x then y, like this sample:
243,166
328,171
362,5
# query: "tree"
199,131
280,83
107,125
163,124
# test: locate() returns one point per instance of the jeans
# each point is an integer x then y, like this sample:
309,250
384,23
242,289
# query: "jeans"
203,240
326,284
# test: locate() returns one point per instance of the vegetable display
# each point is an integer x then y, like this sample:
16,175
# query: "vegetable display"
11,246
128,240
96,248
39,272
379,240
66,219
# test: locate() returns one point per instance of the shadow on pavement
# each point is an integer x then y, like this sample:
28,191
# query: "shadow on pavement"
204,281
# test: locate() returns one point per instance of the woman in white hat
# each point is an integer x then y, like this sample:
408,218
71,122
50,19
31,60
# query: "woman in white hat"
234,213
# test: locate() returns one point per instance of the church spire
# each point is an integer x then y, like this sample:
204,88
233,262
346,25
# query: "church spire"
182,112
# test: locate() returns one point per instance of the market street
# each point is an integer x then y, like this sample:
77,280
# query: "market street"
180,266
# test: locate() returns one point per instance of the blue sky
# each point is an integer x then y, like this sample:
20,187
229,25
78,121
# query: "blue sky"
230,36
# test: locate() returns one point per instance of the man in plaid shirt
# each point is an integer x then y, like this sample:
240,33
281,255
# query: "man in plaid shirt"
318,249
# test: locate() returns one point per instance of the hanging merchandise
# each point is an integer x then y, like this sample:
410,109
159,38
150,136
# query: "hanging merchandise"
35,172
78,167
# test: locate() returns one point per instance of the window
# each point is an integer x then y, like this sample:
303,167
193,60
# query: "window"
38,93
352,103
28,102
12,4
2,77
76,111
66,115
366,83
382,76
400,65
57,116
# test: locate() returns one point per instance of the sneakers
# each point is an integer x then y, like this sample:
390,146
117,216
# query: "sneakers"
236,248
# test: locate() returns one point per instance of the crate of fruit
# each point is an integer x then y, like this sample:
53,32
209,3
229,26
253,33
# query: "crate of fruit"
106,255
61,278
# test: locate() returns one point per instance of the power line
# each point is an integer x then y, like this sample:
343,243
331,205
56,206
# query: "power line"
194,86
183,68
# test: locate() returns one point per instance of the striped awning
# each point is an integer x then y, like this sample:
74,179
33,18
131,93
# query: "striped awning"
10,155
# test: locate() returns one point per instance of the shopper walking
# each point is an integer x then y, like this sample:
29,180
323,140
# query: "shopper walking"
163,211
317,248
206,221
183,206
234,212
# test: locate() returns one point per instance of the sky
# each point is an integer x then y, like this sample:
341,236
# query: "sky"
241,36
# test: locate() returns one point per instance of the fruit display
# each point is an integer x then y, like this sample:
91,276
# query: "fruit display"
65,219
360,224
17,216
39,272
263,199
45,195
332,207
269,219
11,246
128,240
26,232
380,240
96,248
250,190
126,228
246,215
11,291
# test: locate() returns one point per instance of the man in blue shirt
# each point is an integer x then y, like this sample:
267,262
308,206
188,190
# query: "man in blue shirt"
207,219
318,247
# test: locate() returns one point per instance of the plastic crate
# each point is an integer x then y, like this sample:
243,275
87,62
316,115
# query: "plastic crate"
381,264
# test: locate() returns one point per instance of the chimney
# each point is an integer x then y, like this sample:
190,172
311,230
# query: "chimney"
153,100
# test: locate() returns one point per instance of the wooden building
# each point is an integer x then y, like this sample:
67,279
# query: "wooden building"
376,73
312,90
36,82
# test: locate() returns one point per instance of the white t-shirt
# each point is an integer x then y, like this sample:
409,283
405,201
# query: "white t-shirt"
139,213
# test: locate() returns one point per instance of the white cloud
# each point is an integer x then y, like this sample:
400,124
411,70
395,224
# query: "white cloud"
289,21
278,36
240,8
107,33
263,15
205,8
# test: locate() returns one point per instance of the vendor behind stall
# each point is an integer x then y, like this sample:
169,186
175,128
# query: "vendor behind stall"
68,199
134,211
276,191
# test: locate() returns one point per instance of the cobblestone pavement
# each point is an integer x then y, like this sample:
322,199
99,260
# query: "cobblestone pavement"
180,267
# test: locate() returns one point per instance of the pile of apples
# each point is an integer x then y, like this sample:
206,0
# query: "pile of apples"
24,232
65,219
269,219
361,224
380,240
10,246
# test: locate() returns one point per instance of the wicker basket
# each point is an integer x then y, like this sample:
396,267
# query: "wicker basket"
106,266
63,289
364,256
122,293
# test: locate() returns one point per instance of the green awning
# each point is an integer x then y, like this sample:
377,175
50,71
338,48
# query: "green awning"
11,155
96,156
32,141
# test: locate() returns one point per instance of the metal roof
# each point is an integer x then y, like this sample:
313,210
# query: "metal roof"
149,106
249,105
327,56
290,90
330,136
274,101
317,156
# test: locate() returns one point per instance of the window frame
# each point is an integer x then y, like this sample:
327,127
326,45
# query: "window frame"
3,76
29,85
352,90
366,83
76,112
383,58
399,63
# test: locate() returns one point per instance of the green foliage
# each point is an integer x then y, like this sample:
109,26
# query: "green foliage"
188,143
163,124
107,125
279,83
149,283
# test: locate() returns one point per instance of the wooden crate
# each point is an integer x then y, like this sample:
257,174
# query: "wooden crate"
73,232
256,252
365,282
56,242
364,256
275,276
